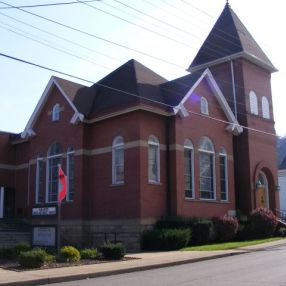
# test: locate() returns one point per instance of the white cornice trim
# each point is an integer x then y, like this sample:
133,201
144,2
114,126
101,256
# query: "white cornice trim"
28,131
128,110
234,126
245,55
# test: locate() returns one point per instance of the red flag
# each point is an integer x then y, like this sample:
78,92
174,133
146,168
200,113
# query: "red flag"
63,184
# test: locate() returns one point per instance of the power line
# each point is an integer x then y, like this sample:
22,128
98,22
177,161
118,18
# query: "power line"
108,57
208,46
137,25
96,37
61,38
47,5
129,48
51,45
129,93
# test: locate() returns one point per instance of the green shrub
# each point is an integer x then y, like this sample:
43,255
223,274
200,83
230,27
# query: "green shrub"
113,251
89,253
151,240
21,247
202,232
165,239
225,228
34,258
171,222
69,254
174,239
7,252
244,232
263,222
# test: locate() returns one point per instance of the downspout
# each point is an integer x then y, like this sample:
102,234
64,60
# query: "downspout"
168,168
233,88
28,195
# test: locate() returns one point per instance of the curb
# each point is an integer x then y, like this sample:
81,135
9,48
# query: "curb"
60,279
42,281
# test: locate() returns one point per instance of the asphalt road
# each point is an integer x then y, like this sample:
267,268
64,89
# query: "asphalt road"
263,267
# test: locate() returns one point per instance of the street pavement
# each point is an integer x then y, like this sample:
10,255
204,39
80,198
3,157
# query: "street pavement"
144,261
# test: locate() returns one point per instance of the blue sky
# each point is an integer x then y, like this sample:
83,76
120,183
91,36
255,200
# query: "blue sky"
90,58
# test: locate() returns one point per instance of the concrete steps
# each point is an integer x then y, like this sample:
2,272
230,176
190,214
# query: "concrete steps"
13,231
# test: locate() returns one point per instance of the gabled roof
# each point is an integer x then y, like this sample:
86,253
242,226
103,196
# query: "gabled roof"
229,39
187,86
281,153
67,89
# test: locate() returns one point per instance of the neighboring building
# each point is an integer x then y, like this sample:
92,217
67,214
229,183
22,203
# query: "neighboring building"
136,147
281,159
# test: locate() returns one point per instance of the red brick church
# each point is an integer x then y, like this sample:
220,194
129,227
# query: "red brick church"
136,147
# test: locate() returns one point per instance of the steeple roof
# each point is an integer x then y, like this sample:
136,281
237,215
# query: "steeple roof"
229,39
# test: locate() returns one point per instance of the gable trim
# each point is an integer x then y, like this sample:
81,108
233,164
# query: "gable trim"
245,55
234,126
28,131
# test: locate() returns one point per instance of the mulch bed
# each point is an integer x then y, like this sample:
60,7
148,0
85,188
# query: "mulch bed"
14,266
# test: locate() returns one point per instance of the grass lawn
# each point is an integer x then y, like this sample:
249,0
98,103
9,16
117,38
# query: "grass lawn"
229,245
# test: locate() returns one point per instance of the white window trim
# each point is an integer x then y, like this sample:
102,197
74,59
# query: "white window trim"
154,142
39,159
47,177
2,194
204,106
226,174
253,103
213,167
70,152
189,147
115,147
265,107
56,112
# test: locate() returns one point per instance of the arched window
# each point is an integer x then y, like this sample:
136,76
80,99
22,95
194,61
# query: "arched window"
54,158
207,169
153,159
253,103
223,174
189,169
70,174
118,160
40,180
204,106
56,112
265,108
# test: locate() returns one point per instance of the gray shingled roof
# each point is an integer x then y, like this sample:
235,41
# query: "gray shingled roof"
229,37
281,153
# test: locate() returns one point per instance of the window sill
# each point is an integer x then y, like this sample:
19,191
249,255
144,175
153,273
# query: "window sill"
155,183
117,185
189,199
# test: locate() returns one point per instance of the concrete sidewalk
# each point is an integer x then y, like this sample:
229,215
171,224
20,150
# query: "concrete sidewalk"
145,261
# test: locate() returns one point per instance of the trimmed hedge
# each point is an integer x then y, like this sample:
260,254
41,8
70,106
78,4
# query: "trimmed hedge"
202,232
171,222
89,253
34,258
165,239
112,251
263,222
226,228
69,254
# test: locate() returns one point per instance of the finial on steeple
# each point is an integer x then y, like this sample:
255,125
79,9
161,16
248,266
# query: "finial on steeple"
227,3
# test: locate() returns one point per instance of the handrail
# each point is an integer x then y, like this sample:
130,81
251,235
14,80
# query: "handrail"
281,213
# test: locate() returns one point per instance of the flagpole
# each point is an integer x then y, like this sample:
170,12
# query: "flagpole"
62,191
59,216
